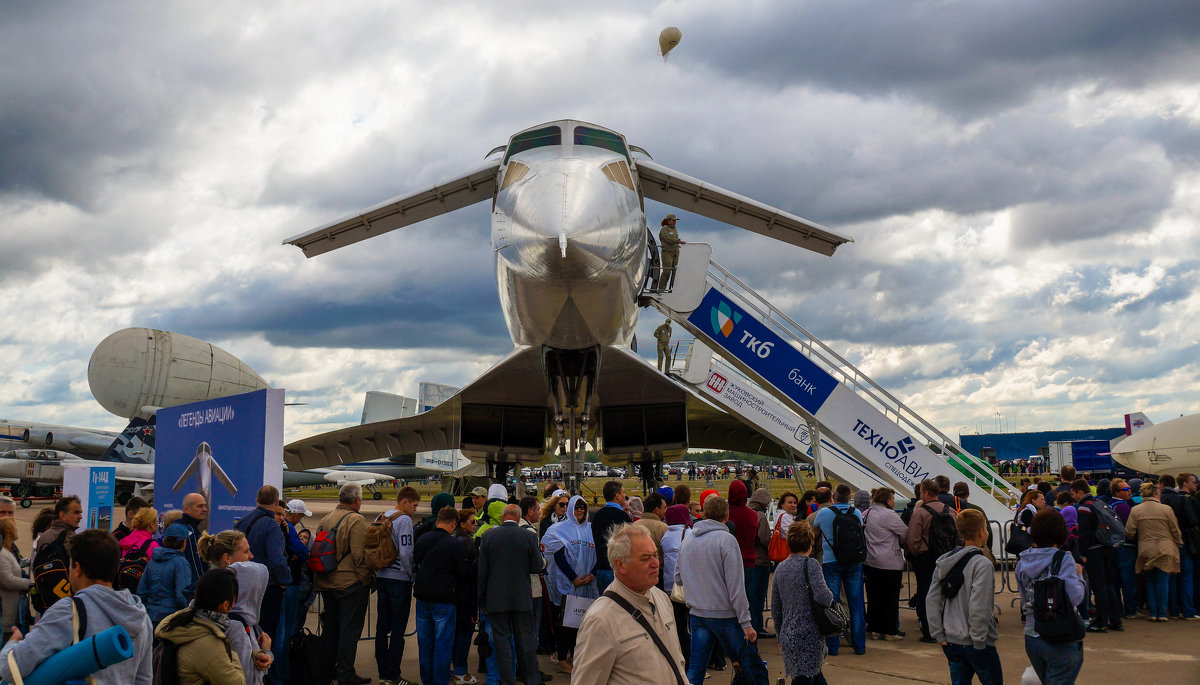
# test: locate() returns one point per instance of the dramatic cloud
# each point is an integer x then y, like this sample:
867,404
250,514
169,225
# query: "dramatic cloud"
1022,181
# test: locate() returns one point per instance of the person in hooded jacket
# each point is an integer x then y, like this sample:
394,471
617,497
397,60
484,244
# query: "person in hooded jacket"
201,633
678,522
571,565
94,556
761,571
493,509
166,579
230,549
1054,662
964,624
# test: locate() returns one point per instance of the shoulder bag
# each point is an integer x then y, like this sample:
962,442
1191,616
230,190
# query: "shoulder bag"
831,620
641,619
778,550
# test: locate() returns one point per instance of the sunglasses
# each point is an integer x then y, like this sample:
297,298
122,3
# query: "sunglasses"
473,522
1124,490
562,505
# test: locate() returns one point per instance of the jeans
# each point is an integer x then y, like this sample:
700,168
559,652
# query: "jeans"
966,662
1179,594
281,644
757,579
851,575
603,579
394,601
464,630
1157,581
1126,563
435,641
343,616
923,566
728,632
1054,663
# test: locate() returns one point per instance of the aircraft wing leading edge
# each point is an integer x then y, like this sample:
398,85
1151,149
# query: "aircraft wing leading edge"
693,195
476,185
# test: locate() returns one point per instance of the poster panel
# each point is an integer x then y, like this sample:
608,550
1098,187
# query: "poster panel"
96,488
225,449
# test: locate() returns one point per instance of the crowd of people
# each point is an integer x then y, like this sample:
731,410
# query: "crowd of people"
658,589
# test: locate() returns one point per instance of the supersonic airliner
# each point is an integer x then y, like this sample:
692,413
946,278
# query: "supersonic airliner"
569,232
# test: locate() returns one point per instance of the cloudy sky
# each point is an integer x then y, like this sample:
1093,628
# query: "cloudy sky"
1022,180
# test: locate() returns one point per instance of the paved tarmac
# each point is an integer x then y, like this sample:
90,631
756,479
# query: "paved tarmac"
1170,649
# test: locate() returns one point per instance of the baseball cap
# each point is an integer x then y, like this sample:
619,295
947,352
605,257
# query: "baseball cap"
297,506
479,492
670,217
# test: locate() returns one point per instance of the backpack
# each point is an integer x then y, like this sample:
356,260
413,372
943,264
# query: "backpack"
311,658
1110,532
953,581
323,558
427,524
131,568
849,542
1054,618
943,533
49,571
166,663
378,544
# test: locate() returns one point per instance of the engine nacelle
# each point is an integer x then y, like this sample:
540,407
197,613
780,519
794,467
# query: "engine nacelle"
137,370
37,437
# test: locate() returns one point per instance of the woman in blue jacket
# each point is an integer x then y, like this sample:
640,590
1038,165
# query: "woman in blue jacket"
167,576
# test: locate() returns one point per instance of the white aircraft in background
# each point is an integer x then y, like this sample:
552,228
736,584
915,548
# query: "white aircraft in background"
569,233
1170,447
38,471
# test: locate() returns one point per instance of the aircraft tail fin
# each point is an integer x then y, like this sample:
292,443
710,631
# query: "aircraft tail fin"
135,444
1135,422
385,406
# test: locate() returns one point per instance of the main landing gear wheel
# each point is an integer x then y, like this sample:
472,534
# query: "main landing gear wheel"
377,495
26,503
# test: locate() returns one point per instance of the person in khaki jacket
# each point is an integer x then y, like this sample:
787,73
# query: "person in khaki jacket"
1154,526
200,633
346,590
614,648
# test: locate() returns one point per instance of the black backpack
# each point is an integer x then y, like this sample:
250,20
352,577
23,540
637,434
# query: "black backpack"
953,581
49,571
943,533
1054,618
131,568
1109,529
166,663
849,542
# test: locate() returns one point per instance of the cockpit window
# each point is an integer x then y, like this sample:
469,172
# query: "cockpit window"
585,135
550,135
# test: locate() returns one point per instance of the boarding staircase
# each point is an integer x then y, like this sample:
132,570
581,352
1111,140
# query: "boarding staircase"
857,430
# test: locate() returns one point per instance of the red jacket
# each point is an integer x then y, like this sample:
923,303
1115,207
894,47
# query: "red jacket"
744,519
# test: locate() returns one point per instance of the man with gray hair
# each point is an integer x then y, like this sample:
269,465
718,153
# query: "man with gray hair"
611,647
346,589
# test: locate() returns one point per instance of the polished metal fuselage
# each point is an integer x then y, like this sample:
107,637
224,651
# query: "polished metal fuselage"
570,249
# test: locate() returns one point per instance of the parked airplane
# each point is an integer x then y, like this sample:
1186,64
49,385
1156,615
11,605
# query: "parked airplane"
571,253
1169,447
38,471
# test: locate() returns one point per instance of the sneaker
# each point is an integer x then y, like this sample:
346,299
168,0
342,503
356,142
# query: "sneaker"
1189,618
928,640
1097,629
466,679
893,638
875,636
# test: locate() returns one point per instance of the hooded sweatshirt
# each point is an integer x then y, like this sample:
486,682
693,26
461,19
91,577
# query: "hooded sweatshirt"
252,580
495,511
759,501
1035,564
569,543
744,519
967,619
163,585
710,568
204,654
105,608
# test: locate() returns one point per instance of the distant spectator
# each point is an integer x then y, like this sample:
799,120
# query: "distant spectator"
13,585
678,522
1098,559
554,509
1156,530
165,580
347,589
789,505
94,556
611,514
918,544
1066,475
131,507
883,571
760,572
144,523
195,513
